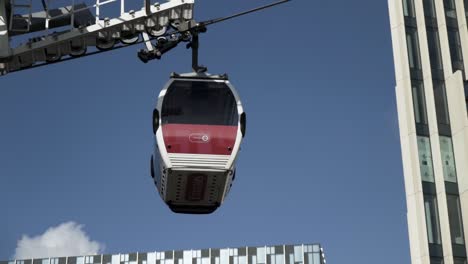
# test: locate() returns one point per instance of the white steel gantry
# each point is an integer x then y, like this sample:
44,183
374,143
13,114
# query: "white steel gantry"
85,27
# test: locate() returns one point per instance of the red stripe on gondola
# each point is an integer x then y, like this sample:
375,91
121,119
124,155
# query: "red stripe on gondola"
199,139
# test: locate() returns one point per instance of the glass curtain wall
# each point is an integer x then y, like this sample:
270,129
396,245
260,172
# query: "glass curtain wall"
420,114
280,254
443,122
453,35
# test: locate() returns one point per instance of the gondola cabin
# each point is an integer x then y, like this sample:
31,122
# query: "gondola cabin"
199,124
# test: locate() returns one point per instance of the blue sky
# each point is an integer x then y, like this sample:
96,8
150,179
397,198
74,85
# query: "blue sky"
321,161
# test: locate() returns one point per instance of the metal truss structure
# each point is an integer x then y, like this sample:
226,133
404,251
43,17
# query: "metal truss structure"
79,26
56,34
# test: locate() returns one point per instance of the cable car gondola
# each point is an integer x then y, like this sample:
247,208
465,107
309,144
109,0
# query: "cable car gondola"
199,124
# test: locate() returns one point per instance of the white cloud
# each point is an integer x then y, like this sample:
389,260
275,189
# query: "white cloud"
67,239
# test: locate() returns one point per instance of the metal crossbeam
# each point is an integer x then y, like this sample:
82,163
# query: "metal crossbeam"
151,22
105,34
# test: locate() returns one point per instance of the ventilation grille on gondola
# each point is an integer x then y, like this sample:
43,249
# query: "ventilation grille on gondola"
199,161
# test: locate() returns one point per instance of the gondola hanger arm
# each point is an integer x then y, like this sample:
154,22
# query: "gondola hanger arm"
188,31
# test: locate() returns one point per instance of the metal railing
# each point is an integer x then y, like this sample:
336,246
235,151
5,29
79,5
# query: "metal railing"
74,10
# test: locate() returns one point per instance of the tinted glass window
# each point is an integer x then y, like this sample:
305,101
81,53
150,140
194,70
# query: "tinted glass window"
419,103
440,98
449,6
466,7
455,45
413,48
408,8
429,8
199,102
432,219
434,48
455,219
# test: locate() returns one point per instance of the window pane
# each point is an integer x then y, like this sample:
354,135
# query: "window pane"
434,48
425,159
242,260
408,8
440,98
448,159
187,257
432,219
419,103
455,219
413,48
455,45
279,259
459,261
429,8
115,259
203,103
151,258
449,6
316,258
437,260
298,254
466,7
224,256
261,255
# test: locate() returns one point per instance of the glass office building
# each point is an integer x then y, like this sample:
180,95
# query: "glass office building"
430,48
281,254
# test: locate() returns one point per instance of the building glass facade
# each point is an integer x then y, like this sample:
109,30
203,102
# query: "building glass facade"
430,46
279,254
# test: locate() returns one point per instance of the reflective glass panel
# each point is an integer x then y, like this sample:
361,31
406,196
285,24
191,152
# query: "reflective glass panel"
449,6
298,254
429,8
455,219
316,258
279,259
466,8
419,103
440,98
151,258
425,159
107,259
115,259
434,48
455,45
315,248
432,219
437,260
142,258
224,254
408,8
459,261
97,259
413,48
261,255
448,159
187,257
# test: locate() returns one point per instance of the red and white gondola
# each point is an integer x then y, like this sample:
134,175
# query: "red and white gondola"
199,124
